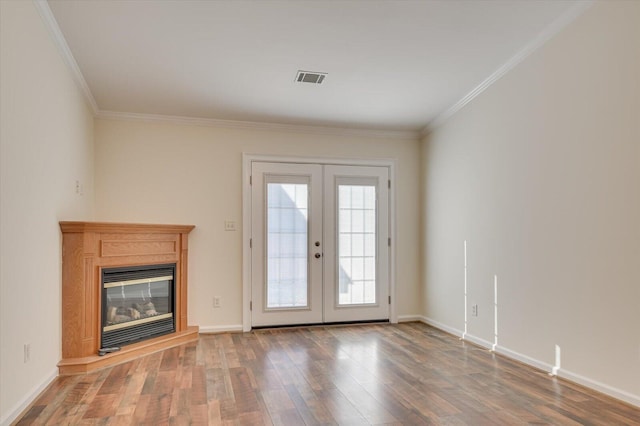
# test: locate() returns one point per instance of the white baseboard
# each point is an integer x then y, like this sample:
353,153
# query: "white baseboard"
624,396
627,397
524,359
478,341
441,326
410,318
28,399
212,329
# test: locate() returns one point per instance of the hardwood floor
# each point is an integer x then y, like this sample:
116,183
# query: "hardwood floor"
408,374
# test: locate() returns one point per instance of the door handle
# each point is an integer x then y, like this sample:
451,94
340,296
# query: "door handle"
317,255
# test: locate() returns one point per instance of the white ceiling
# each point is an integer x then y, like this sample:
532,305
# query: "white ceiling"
392,65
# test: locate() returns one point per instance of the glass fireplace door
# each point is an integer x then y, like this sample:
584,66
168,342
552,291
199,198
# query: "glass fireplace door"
138,303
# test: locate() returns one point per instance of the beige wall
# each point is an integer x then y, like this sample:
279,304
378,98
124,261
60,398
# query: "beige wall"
46,144
172,173
541,175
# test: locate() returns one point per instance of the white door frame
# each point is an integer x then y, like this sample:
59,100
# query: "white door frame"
247,159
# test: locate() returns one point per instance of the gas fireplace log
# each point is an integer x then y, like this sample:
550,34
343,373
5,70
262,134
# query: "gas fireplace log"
121,318
111,313
149,309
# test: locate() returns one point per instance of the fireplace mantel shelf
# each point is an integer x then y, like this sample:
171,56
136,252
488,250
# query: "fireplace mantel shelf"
123,227
90,246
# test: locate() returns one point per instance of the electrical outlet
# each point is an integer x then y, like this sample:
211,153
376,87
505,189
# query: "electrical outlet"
229,225
27,352
474,310
216,301
79,189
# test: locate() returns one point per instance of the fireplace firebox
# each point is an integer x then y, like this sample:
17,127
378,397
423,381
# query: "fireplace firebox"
137,304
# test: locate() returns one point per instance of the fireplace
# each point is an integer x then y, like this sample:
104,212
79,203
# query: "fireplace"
137,304
124,292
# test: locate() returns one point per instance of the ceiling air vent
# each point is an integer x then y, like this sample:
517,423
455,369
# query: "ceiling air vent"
310,77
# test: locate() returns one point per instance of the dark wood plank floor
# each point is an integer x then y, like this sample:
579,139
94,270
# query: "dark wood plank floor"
409,374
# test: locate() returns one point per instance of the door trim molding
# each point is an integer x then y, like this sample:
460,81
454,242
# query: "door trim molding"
248,158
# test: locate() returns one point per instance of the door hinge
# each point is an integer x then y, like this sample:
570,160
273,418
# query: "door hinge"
389,181
250,243
389,299
250,180
251,306
389,242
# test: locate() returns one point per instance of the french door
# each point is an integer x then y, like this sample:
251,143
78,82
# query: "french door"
320,249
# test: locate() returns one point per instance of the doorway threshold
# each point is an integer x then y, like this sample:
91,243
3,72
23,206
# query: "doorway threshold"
321,324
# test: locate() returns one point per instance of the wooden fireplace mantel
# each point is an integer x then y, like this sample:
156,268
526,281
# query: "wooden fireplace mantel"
87,247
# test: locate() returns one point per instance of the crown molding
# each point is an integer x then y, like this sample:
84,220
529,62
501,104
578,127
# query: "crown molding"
58,38
252,125
61,43
549,32
554,28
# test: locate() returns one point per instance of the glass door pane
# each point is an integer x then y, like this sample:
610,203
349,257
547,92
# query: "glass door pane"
357,244
287,242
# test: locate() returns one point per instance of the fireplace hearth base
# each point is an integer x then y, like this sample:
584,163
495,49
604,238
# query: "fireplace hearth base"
126,353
